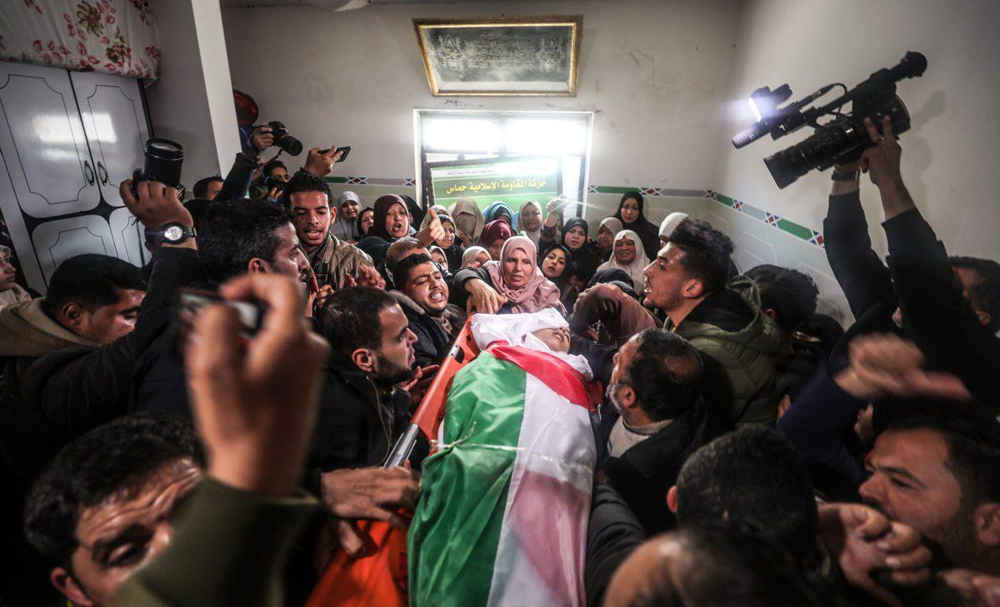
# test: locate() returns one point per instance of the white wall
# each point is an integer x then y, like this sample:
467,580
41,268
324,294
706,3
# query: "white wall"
192,102
950,159
655,72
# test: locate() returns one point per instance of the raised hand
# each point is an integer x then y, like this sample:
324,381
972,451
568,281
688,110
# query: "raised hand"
368,276
261,138
864,541
320,162
883,365
882,161
437,230
255,402
156,204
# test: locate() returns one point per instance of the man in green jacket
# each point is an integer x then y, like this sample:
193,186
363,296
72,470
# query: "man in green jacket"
722,319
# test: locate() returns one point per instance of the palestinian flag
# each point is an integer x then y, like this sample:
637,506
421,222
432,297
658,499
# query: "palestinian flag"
502,516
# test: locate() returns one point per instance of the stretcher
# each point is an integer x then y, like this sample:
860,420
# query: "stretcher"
379,577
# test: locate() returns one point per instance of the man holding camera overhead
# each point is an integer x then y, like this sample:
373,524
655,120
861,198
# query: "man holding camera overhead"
946,305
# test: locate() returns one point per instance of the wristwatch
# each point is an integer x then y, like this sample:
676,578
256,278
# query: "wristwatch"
172,233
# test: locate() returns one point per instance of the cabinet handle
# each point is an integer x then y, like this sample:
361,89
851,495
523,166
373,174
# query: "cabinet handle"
103,172
88,172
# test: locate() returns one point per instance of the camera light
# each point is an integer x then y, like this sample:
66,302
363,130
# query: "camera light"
754,109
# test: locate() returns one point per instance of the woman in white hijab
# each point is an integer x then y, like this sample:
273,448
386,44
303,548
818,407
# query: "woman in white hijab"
670,224
628,256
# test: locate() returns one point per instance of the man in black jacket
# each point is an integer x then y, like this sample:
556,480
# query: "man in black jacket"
362,411
658,419
950,307
423,294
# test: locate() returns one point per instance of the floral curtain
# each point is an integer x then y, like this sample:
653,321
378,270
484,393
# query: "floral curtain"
110,36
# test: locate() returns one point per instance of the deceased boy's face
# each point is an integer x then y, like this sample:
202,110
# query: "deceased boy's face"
556,339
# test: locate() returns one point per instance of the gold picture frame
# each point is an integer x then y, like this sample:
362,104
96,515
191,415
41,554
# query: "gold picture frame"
518,56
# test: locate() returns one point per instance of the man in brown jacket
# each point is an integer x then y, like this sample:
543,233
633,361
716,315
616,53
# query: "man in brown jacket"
336,263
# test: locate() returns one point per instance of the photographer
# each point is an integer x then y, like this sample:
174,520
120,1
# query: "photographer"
272,178
239,178
950,307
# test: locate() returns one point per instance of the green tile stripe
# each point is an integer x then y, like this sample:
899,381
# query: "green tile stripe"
607,189
795,229
789,227
726,200
336,179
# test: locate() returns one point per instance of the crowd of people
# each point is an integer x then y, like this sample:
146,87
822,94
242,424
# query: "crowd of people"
749,450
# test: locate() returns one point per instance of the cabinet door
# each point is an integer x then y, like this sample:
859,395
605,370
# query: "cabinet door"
57,240
115,123
43,142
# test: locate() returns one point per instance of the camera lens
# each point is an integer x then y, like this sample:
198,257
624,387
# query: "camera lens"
291,145
163,161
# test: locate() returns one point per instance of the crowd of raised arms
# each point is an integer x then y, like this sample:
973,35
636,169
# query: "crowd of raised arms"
744,449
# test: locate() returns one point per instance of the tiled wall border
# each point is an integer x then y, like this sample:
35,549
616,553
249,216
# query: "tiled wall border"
789,227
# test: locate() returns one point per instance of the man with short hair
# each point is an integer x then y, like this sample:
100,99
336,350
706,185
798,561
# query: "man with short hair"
235,237
362,411
399,250
272,174
939,472
657,420
345,225
423,294
107,503
208,188
754,479
766,486
92,300
723,320
789,297
337,263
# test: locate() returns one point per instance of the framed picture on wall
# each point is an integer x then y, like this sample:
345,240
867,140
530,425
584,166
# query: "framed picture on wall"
515,56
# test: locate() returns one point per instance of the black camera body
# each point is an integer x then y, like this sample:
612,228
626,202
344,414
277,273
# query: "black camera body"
274,182
290,145
163,160
842,140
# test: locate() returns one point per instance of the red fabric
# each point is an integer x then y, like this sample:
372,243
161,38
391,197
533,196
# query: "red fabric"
561,378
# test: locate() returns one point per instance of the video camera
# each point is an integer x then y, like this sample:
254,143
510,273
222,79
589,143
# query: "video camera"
840,141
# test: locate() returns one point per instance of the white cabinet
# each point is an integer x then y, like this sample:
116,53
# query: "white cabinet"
43,142
111,108
67,141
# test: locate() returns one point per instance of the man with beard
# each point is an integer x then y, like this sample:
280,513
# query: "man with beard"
422,292
939,472
362,411
658,419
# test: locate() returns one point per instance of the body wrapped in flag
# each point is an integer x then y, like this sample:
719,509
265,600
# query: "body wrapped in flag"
502,517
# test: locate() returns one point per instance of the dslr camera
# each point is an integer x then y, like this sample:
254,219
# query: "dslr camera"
839,141
290,145
162,161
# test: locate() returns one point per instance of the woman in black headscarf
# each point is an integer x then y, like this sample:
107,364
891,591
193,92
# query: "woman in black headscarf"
584,251
392,222
630,213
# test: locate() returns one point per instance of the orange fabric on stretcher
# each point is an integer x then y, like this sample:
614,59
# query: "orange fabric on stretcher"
380,577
